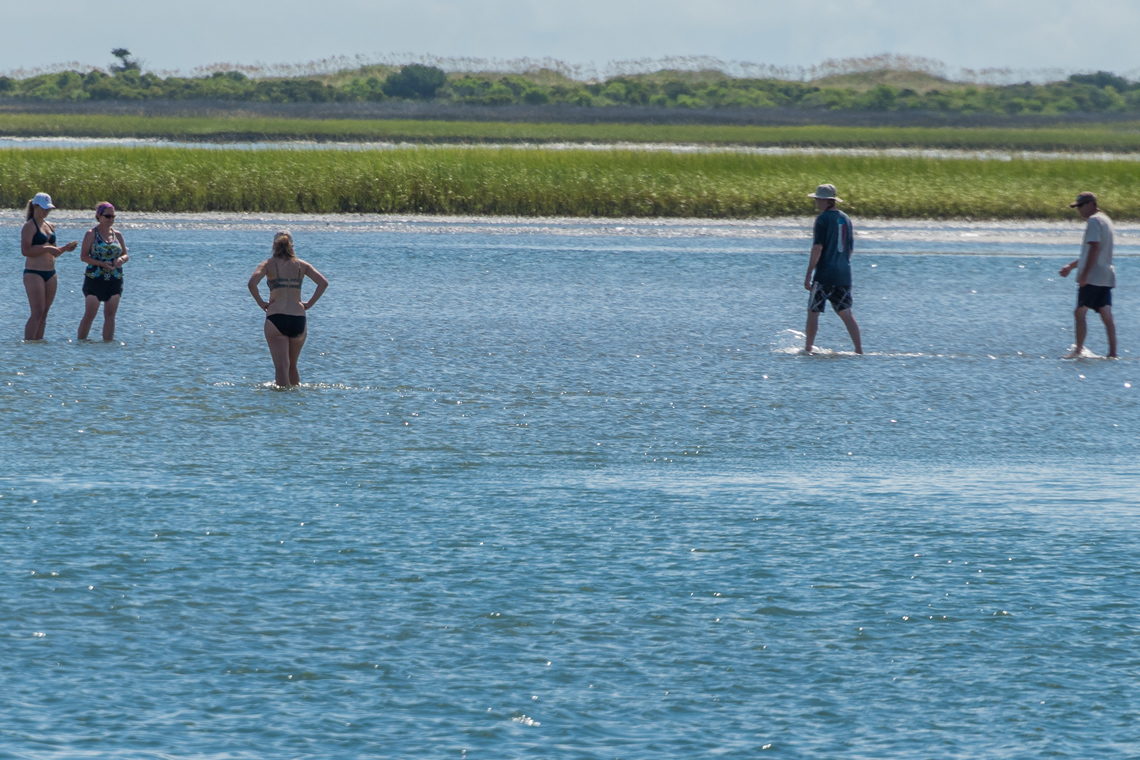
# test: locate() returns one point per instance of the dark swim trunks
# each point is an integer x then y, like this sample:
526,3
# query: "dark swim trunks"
47,274
289,325
1094,297
102,289
839,295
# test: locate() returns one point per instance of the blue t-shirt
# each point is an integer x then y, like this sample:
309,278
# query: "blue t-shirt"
833,231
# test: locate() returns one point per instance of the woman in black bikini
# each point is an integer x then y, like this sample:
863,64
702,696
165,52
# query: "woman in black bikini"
37,243
285,330
104,252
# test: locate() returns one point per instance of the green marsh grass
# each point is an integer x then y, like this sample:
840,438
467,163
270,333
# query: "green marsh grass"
536,182
1116,137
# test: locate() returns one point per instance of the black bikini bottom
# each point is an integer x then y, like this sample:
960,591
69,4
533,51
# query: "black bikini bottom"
47,274
289,325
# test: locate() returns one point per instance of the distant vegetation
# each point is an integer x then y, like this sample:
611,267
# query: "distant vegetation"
537,182
424,103
861,88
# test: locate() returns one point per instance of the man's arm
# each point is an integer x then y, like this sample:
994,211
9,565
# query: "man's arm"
816,251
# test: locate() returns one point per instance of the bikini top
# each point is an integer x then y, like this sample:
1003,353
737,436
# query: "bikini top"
286,282
40,238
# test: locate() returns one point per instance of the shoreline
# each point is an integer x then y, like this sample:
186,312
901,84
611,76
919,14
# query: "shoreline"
959,154
1107,135
999,237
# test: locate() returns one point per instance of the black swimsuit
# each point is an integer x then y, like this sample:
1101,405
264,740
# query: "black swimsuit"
41,239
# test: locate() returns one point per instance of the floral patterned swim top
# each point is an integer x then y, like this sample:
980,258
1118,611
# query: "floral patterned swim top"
102,250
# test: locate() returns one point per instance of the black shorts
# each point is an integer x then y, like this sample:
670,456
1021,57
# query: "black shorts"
1094,297
839,295
102,289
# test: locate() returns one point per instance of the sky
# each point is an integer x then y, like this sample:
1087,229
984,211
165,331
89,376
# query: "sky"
175,36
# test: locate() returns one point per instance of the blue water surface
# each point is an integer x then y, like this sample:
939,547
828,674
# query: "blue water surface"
567,489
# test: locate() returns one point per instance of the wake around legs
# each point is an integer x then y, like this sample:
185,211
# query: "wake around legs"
1081,330
849,322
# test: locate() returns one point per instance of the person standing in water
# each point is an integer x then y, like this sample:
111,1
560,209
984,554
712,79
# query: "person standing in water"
37,243
828,276
1096,277
104,252
285,328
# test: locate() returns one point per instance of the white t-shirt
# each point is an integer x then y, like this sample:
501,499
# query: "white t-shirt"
1098,230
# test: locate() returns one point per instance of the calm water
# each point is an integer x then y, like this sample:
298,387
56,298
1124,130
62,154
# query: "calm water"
562,489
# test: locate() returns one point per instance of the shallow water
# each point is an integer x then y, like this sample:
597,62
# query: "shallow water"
565,488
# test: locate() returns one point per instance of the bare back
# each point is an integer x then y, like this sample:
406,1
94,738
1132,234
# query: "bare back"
284,277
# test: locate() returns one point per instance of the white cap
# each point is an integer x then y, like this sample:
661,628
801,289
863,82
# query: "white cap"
43,200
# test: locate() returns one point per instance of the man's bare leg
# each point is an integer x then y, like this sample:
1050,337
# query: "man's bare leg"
852,329
810,330
1081,329
1109,329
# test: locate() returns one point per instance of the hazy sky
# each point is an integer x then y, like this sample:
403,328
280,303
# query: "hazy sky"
179,36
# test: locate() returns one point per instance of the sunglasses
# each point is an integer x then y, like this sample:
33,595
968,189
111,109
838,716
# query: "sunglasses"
108,216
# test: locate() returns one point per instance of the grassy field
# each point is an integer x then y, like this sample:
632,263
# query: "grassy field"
1116,137
535,182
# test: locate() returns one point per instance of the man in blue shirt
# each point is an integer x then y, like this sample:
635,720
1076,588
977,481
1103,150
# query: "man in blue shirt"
828,275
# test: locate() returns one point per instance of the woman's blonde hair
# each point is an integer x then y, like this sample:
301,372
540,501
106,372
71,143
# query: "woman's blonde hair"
283,245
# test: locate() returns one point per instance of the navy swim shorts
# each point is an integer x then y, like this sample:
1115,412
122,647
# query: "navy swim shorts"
1094,297
839,295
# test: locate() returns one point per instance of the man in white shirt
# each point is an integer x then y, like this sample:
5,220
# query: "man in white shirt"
1096,276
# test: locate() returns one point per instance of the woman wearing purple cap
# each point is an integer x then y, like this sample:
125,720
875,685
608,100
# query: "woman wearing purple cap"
104,252
37,243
